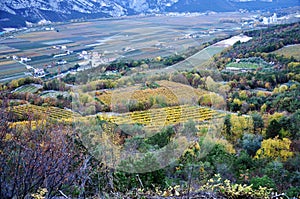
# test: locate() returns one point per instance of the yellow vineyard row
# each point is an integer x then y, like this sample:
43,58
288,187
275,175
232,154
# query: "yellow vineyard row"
171,92
40,111
155,118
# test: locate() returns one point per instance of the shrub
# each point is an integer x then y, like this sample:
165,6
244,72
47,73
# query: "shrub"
235,191
264,181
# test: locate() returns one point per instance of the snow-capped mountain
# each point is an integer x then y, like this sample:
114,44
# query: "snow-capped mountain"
14,13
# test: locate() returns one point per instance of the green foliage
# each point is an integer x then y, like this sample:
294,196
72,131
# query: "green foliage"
258,123
127,181
251,143
273,129
250,63
243,162
158,101
189,128
162,138
264,181
55,84
227,125
293,192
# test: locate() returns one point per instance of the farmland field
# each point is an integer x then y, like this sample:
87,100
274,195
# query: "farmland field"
288,51
53,94
30,88
10,68
148,37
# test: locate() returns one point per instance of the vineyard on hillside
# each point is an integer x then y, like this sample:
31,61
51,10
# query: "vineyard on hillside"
171,92
38,112
154,119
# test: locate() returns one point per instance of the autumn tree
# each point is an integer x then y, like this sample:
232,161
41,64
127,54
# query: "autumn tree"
275,149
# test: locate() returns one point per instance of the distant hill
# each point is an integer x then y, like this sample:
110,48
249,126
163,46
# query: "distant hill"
229,5
14,13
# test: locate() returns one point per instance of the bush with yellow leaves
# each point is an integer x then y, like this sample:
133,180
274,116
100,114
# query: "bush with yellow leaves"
235,191
40,194
275,149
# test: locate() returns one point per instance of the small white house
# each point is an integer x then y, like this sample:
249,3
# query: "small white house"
25,59
39,72
61,62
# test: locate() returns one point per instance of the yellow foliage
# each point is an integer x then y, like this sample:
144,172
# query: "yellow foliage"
294,65
232,190
283,88
261,94
293,87
32,124
263,108
158,58
229,147
276,116
239,126
237,101
197,146
8,137
243,94
40,193
275,148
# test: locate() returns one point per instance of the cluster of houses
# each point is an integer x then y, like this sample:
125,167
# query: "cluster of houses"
262,20
92,59
95,58
270,20
21,59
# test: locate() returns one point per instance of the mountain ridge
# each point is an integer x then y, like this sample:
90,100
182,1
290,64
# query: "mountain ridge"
15,13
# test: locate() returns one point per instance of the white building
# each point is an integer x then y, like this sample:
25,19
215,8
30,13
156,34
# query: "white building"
38,72
270,20
25,59
61,62
274,19
265,21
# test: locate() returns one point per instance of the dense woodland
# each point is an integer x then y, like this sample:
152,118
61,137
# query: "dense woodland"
255,155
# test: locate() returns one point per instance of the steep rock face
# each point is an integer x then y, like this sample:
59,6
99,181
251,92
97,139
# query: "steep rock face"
14,13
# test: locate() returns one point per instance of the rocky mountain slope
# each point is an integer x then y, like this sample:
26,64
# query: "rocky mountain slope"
14,13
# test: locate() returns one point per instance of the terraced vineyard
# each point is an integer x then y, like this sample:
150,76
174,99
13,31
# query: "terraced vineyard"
154,119
42,112
173,93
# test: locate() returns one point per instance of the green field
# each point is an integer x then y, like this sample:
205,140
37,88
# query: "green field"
198,59
53,94
247,65
288,51
30,88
